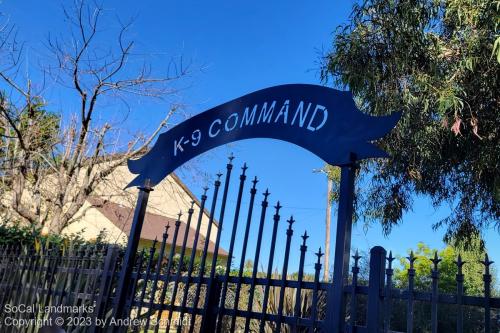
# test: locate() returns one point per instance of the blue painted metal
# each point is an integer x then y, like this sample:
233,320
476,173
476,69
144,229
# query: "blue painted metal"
322,120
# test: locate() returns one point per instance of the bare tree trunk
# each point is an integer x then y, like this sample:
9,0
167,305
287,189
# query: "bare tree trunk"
326,271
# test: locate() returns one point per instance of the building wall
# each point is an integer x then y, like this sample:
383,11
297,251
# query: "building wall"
93,224
167,199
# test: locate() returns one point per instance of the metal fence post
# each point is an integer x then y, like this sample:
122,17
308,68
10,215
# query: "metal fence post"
335,309
133,242
211,310
375,286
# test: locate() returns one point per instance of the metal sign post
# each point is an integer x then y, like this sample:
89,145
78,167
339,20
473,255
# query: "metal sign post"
335,304
123,287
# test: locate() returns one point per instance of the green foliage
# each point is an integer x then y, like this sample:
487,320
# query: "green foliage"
333,173
473,270
27,235
438,63
40,127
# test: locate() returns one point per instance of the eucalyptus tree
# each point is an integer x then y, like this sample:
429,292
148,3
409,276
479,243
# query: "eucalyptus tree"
438,62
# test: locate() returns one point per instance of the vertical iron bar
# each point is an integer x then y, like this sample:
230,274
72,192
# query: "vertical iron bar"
63,274
18,293
460,294
123,286
135,282
33,278
205,253
487,293
104,284
91,280
110,290
411,282
84,263
54,261
314,304
388,294
8,262
253,191
168,270
276,220
353,309
435,293
229,167
181,264
284,273
191,260
140,305
335,314
156,277
206,317
222,306
256,261
298,296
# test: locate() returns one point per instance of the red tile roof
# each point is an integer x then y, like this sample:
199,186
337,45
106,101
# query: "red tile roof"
154,225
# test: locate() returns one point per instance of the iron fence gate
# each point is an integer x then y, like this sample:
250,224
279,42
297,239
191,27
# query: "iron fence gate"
173,288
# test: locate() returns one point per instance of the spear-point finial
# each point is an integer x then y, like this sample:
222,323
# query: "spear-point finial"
390,258
205,189
290,222
412,259
304,237
165,233
356,256
192,204
255,181
244,168
231,158
435,260
487,262
266,194
219,175
179,215
278,207
319,254
459,263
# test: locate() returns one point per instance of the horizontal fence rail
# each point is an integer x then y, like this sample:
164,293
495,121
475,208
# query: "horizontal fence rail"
178,285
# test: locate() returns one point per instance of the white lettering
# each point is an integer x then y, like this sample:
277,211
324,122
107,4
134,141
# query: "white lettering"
226,127
248,119
325,117
196,137
302,118
265,114
177,146
283,112
210,132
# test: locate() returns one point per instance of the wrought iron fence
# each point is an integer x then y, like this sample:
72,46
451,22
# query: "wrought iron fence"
173,288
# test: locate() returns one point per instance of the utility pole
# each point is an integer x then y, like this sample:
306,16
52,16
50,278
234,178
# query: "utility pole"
326,264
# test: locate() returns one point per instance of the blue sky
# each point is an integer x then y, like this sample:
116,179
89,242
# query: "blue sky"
235,48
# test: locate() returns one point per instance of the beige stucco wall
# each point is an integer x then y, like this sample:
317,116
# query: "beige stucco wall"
92,224
167,199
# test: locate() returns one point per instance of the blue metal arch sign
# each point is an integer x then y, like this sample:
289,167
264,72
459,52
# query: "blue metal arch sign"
322,120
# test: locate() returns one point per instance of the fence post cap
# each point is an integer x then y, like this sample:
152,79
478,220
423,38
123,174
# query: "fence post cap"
377,249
